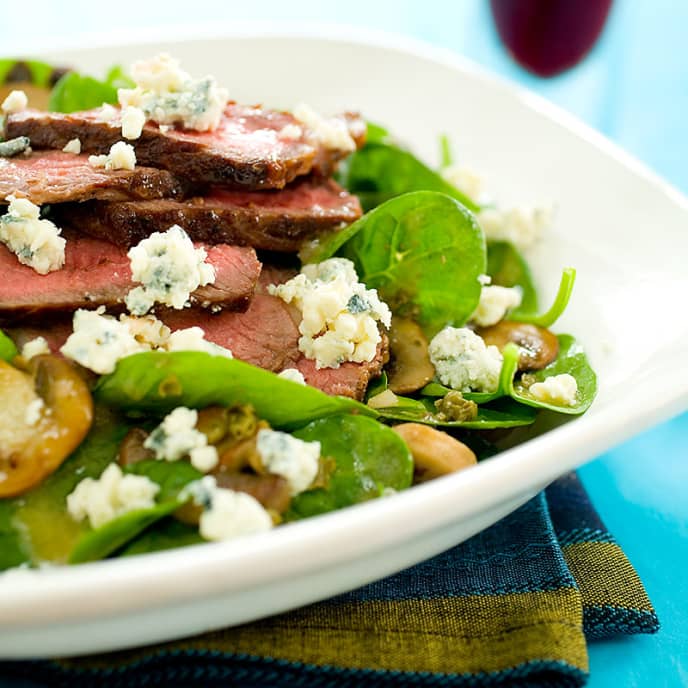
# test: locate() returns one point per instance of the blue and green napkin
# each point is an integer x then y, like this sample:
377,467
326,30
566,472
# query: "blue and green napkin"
513,606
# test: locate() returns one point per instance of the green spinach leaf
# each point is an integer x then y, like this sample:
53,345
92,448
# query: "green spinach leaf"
158,382
423,252
508,268
167,533
12,547
561,300
74,91
571,360
369,457
40,72
382,170
171,476
101,542
8,350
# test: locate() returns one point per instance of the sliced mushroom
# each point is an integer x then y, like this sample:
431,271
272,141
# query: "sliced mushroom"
410,367
45,413
434,452
539,347
131,450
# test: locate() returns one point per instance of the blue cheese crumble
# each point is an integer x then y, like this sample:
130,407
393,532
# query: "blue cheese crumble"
495,303
522,226
226,514
110,496
340,315
35,347
295,460
16,101
293,375
177,437
331,132
558,390
36,242
120,157
169,268
168,95
463,362
98,341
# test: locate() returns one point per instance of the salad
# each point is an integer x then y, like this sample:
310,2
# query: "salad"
218,319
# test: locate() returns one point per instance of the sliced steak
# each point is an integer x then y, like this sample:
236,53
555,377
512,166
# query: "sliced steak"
267,336
246,150
271,220
97,273
57,177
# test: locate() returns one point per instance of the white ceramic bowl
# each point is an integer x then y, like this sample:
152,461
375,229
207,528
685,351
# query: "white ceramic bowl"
625,231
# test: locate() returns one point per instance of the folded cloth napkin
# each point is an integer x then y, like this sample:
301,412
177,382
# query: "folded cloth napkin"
511,606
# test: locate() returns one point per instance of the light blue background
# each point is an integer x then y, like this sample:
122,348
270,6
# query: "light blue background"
634,89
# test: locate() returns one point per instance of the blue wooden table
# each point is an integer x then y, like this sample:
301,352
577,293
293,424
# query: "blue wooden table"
634,89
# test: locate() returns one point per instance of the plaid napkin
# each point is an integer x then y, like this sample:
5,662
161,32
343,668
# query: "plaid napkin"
512,606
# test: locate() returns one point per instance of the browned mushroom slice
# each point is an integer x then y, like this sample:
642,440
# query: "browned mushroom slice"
410,367
435,453
45,413
539,346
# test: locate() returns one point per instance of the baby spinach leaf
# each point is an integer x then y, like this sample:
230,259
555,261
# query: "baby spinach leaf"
423,252
501,413
47,531
167,533
549,317
40,72
369,457
171,476
8,350
74,91
382,170
101,542
571,360
158,382
446,157
508,268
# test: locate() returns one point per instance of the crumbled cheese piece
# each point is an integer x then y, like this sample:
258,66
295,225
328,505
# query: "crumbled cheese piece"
169,268
485,280
34,411
120,157
133,119
193,339
559,390
107,113
291,132
467,181
330,132
36,242
168,95
295,460
520,226
463,362
340,316
35,347
73,146
226,514
494,304
16,101
99,341
110,496
293,375
177,437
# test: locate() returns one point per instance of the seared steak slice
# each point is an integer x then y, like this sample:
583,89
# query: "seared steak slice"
271,220
267,335
97,273
57,177
246,151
